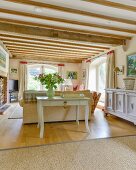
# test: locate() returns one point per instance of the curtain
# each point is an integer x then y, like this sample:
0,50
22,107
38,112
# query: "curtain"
61,73
110,65
22,79
87,66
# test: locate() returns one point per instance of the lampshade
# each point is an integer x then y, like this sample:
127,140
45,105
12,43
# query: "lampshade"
116,69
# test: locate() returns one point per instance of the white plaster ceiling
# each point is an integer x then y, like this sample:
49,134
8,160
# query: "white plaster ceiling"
75,4
81,5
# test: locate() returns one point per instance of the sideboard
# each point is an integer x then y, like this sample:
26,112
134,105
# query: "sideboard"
121,103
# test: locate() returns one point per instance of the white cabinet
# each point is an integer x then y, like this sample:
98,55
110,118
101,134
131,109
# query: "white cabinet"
110,100
131,104
121,103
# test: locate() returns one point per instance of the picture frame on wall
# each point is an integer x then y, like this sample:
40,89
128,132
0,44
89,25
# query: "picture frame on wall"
131,65
13,71
71,75
4,61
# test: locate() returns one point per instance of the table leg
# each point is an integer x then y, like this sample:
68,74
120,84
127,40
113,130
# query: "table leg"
77,114
38,113
86,118
41,123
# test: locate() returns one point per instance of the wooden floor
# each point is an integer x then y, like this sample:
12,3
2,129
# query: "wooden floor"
14,134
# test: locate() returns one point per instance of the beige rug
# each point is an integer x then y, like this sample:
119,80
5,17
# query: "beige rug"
99,154
17,112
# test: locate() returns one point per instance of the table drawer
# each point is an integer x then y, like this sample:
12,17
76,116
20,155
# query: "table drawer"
65,103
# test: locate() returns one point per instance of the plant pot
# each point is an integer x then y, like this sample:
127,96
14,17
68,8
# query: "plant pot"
129,83
50,93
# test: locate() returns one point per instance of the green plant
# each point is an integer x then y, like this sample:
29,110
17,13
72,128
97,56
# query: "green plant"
49,80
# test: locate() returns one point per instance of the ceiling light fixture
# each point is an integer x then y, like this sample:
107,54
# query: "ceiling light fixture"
37,9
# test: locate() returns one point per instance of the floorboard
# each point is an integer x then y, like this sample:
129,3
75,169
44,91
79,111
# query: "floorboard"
14,134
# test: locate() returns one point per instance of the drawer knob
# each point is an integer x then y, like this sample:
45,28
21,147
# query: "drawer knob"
65,104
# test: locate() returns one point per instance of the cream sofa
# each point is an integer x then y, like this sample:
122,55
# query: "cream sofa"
53,114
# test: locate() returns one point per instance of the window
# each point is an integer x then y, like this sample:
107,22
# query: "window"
97,76
36,69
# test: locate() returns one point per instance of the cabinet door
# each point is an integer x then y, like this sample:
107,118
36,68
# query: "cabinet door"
120,102
109,100
131,104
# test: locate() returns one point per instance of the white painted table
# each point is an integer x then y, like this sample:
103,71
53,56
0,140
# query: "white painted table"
59,101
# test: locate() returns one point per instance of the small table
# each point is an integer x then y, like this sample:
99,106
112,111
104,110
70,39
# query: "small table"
59,101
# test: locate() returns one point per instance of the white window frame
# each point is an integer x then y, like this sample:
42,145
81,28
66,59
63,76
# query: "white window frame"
42,67
96,66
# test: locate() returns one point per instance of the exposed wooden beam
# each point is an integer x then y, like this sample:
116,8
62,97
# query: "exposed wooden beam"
72,10
63,28
44,40
28,46
6,27
113,4
49,45
49,56
41,58
48,53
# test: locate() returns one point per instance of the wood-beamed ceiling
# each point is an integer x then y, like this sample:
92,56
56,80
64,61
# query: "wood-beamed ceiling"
70,10
63,30
34,39
48,46
113,4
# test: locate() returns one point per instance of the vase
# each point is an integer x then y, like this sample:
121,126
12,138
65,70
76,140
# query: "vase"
50,93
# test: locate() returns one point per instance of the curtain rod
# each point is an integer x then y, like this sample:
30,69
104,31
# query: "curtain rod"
100,55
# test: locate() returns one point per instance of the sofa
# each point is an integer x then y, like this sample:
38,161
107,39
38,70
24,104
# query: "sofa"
53,113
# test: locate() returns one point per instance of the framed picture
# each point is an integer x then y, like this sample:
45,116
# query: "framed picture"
71,75
4,61
84,74
13,71
131,65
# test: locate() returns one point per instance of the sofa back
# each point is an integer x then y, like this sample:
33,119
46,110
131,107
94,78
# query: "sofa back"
30,95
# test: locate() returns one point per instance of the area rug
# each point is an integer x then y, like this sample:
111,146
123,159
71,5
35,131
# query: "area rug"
17,113
96,154
3,109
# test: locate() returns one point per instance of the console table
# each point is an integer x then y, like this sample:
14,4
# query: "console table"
59,101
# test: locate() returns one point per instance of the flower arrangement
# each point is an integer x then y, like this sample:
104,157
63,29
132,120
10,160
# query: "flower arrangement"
50,80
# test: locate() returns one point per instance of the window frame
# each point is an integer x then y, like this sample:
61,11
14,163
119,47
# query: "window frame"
96,66
42,68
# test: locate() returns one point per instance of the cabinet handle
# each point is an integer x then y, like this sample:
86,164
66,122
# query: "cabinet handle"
132,106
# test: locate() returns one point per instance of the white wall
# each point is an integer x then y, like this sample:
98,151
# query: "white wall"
121,59
68,67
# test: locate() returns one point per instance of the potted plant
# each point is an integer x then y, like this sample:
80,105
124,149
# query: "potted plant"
50,81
